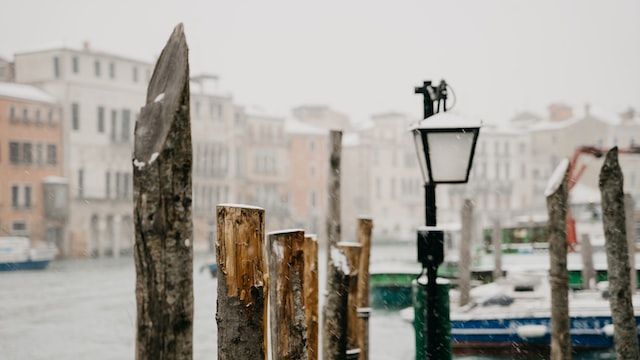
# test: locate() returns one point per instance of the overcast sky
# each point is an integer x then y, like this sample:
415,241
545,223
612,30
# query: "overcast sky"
363,57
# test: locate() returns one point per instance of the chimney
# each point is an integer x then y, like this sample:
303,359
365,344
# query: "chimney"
559,112
86,45
628,115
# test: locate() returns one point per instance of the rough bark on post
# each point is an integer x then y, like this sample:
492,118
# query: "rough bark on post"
352,251
310,288
556,194
336,279
496,239
464,263
588,271
334,332
242,283
162,210
365,225
630,223
624,324
286,296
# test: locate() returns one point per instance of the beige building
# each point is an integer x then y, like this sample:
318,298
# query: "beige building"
33,193
100,95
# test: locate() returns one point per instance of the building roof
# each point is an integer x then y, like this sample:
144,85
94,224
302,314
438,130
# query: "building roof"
25,92
297,127
87,50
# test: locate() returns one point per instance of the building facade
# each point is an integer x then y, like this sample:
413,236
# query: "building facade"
100,95
33,198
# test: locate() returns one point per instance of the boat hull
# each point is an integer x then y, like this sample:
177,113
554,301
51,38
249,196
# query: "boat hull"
587,333
25,265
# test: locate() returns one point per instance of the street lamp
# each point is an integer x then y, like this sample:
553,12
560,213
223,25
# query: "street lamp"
445,145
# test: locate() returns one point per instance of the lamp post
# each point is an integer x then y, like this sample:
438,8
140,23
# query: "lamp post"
445,145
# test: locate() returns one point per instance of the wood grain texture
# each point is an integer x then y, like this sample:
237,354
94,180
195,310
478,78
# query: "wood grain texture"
242,283
286,296
352,251
310,288
611,189
365,227
558,275
162,210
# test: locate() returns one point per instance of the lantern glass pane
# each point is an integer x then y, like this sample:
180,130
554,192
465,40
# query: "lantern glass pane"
417,138
449,154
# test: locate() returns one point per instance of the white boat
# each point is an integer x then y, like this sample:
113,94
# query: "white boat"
16,253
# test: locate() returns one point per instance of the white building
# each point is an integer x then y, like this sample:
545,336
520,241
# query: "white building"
100,95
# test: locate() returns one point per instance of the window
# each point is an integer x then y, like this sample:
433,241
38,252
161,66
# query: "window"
126,118
135,74
27,196
112,70
14,196
27,156
80,183
75,65
56,67
96,68
12,113
312,145
19,226
50,117
38,116
100,119
125,185
52,154
118,193
313,199
39,155
506,148
14,152
107,185
25,115
75,116
523,171
114,116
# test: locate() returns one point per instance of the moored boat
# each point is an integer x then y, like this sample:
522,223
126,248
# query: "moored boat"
16,253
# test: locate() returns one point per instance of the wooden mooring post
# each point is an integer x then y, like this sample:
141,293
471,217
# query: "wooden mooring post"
557,193
630,224
162,210
241,312
588,270
624,323
496,239
286,295
365,226
464,263
352,251
310,289
334,313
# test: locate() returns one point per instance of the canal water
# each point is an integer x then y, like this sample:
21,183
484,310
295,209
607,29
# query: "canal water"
86,310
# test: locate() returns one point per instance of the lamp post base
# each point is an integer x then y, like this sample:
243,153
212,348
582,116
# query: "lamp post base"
441,346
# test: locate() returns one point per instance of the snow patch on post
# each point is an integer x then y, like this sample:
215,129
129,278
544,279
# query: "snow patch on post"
339,260
557,177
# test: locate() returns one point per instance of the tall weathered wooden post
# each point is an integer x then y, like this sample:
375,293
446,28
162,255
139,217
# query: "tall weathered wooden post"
310,288
556,194
286,296
464,263
162,210
630,224
352,252
496,239
365,225
334,314
241,312
588,271
624,324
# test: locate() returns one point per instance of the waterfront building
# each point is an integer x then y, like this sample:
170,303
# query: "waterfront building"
33,193
100,95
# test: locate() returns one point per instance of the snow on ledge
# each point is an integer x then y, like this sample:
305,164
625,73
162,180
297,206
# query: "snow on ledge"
244,206
556,178
284,231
